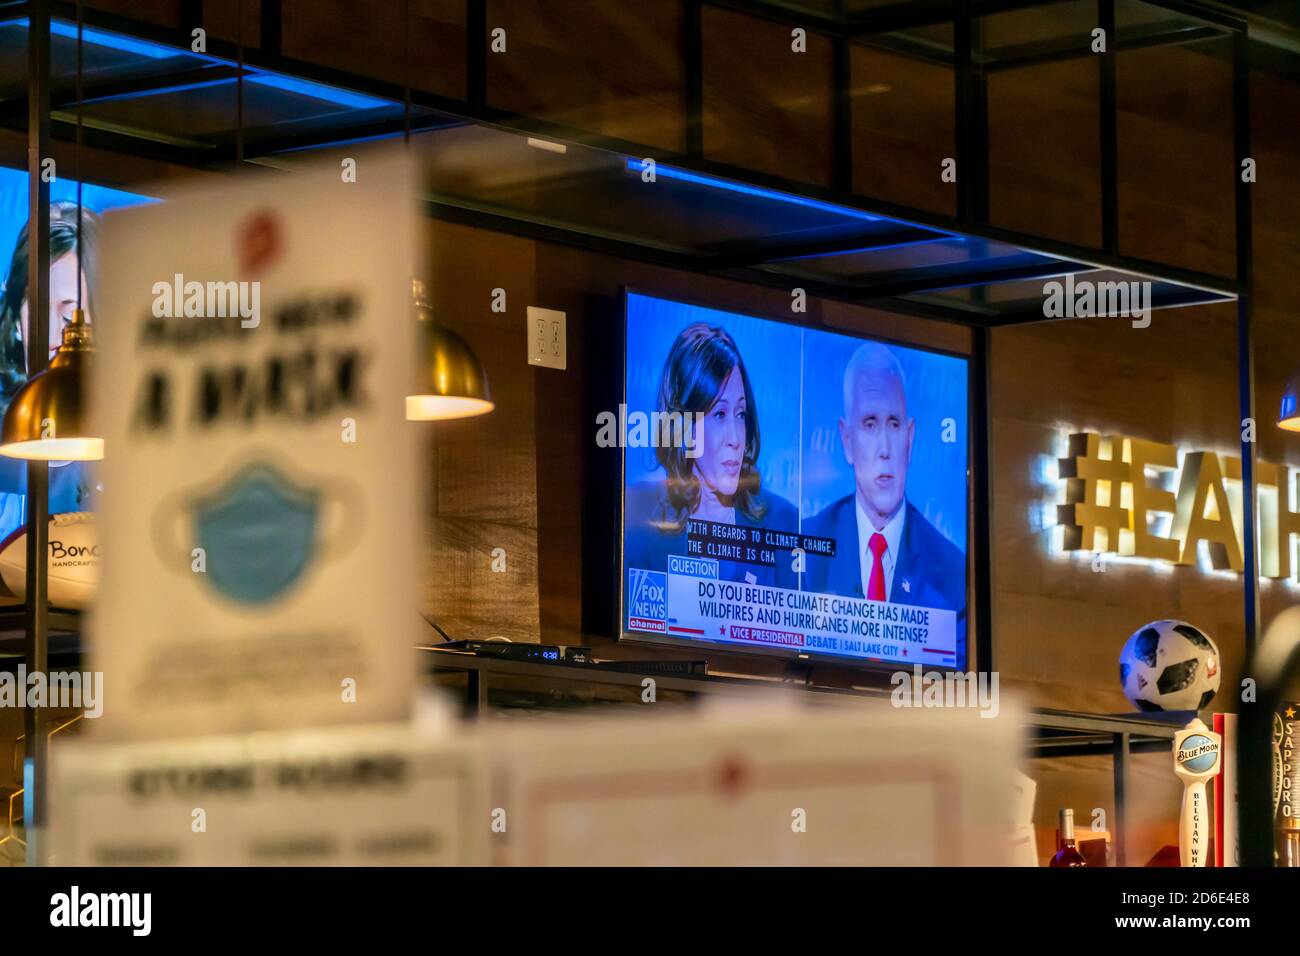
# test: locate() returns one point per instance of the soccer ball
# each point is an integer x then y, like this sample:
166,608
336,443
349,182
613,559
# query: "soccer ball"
1169,665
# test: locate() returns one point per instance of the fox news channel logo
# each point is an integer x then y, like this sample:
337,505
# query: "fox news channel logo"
647,600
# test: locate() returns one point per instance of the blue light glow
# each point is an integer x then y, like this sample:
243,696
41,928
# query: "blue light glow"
1288,406
111,41
892,245
159,51
316,91
163,90
312,147
319,91
669,172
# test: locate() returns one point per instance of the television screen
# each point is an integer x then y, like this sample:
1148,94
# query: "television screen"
73,485
790,490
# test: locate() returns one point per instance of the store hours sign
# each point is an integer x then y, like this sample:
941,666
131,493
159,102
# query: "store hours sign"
1148,500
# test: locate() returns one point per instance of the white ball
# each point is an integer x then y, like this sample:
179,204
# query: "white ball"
73,569
1169,665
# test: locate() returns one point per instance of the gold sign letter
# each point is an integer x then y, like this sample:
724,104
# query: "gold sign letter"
1140,456
1202,486
1093,492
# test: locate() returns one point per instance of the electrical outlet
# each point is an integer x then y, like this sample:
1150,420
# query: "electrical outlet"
546,340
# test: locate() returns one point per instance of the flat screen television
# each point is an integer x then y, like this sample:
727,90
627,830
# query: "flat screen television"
790,490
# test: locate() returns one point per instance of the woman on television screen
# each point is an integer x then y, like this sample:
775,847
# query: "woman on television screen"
71,484
712,474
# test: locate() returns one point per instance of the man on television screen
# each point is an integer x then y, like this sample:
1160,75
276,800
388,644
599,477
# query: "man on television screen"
885,549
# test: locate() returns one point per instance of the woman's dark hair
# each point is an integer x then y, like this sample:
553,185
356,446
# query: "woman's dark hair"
63,239
698,365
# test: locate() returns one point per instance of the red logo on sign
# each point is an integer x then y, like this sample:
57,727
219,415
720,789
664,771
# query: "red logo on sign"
730,777
258,242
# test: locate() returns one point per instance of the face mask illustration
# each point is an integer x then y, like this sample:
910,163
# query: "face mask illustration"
256,530
259,533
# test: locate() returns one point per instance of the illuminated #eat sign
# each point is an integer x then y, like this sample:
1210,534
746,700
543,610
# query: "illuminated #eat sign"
1117,493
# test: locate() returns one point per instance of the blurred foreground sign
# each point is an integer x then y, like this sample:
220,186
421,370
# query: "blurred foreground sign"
759,785
254,345
372,796
769,784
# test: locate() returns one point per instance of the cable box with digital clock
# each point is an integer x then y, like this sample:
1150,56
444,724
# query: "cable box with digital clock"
543,653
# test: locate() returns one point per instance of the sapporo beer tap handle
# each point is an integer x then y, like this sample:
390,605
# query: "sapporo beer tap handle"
1197,754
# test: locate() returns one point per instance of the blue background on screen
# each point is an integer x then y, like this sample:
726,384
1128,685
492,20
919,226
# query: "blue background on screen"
936,390
13,203
770,351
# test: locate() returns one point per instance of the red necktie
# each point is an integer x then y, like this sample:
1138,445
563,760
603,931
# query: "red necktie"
876,584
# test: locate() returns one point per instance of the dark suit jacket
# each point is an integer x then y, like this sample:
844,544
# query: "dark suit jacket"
933,567
648,548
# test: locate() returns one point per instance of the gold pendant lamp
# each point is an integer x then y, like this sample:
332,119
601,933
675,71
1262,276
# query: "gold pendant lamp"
46,421
452,381
455,384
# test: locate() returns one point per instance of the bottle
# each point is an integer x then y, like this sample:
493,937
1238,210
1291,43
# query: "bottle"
1068,854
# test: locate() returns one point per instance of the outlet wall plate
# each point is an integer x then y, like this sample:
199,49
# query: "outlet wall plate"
547,345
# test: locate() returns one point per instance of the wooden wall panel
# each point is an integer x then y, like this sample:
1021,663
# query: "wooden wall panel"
163,13
612,69
221,20
369,40
767,107
482,491
1176,167
1059,625
1044,161
903,129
